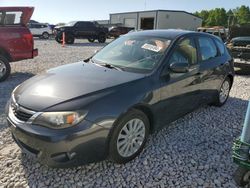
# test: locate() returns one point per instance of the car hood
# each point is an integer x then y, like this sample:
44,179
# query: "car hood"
68,82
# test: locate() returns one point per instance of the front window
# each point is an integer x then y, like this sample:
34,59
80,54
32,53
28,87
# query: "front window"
133,53
185,52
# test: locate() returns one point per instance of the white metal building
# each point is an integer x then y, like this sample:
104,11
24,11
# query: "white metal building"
157,19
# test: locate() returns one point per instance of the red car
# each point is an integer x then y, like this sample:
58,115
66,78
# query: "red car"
16,41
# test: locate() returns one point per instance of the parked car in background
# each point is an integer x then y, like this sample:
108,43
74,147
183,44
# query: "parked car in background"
116,31
240,49
40,30
107,105
82,30
16,41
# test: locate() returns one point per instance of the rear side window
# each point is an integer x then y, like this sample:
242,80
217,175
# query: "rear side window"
220,46
12,18
208,49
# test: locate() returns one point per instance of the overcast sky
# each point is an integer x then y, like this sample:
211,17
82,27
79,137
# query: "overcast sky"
55,11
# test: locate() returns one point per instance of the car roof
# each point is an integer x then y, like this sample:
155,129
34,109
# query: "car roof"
168,33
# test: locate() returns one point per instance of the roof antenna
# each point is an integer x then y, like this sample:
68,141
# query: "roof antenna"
145,4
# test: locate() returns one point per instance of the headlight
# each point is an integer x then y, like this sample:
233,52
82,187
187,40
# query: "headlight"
59,120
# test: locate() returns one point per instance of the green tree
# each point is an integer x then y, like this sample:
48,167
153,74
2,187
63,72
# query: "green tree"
218,17
242,14
204,14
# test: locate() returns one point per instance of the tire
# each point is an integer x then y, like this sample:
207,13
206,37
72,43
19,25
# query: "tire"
45,35
138,120
5,68
241,176
58,39
69,39
91,39
102,38
225,86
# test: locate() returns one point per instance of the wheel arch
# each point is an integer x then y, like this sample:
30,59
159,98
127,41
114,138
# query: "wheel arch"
148,112
5,54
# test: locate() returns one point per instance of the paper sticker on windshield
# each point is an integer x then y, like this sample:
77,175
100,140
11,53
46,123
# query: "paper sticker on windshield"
151,47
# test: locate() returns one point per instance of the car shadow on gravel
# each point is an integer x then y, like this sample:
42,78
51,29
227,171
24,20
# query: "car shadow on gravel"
197,145
6,88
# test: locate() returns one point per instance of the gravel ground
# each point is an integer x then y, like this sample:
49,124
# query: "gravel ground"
194,151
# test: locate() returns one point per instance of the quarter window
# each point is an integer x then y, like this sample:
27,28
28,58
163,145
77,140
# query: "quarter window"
208,49
185,52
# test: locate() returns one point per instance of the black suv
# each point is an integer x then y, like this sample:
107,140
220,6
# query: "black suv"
83,30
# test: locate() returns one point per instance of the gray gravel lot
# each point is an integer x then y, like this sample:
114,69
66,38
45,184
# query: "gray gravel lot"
194,151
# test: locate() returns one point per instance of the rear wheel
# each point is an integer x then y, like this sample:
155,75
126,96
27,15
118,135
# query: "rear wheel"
102,38
4,68
45,35
129,136
242,176
223,93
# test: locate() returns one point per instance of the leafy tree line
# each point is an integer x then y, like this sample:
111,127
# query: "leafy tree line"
221,17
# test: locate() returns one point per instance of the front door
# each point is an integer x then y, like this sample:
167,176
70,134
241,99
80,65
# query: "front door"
180,92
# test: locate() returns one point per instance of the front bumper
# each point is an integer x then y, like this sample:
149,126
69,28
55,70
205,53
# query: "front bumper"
78,145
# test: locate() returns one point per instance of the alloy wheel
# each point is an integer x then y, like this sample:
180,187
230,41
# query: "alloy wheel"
131,137
2,69
224,91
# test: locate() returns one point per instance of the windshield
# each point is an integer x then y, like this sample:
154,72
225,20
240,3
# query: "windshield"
133,53
71,23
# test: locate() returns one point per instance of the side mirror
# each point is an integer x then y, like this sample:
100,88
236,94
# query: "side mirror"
179,67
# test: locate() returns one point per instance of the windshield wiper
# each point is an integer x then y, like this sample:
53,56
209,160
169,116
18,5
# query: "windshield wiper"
110,66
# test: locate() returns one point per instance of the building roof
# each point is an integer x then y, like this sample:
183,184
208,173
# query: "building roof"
159,10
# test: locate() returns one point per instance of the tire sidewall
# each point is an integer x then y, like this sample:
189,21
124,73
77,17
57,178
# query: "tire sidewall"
218,102
8,68
45,37
132,114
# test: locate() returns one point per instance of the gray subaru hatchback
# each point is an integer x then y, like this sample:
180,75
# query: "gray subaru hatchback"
106,106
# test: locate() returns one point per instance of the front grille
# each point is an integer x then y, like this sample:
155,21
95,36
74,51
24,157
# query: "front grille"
21,113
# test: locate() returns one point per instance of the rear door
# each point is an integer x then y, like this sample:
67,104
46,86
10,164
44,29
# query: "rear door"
212,66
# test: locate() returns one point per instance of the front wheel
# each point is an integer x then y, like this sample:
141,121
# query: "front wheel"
128,136
242,176
102,38
69,39
223,93
5,68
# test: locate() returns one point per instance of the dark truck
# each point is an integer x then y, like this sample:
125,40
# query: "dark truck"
16,41
240,50
81,30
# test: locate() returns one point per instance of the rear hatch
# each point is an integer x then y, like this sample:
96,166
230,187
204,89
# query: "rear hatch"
15,15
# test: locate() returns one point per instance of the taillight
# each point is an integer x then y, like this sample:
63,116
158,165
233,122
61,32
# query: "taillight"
29,38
